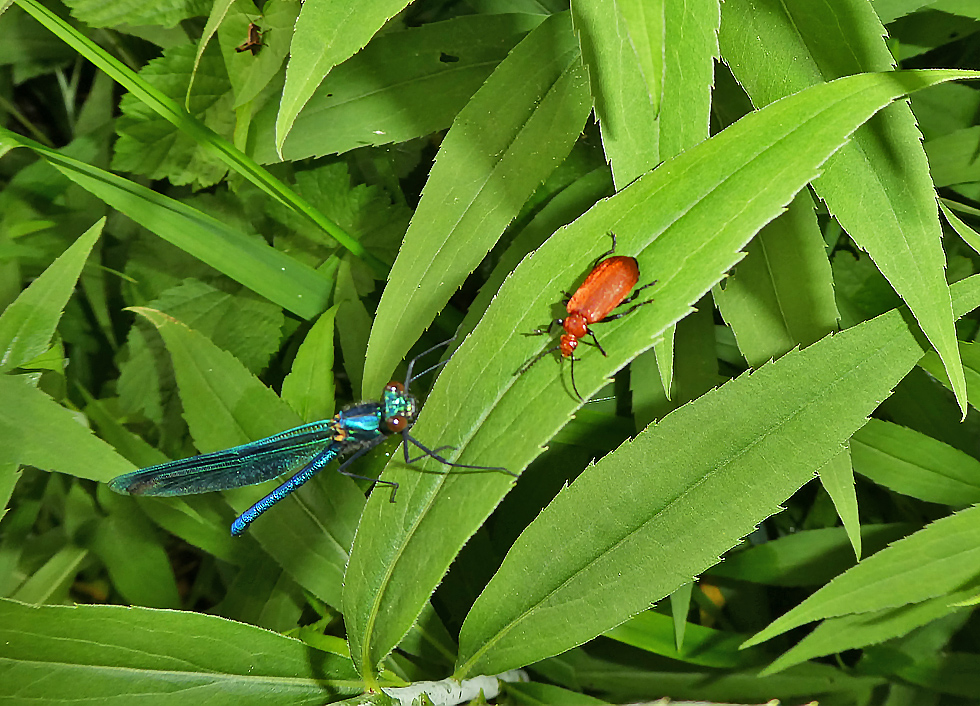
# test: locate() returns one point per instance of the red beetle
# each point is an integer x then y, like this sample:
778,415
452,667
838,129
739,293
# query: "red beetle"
608,286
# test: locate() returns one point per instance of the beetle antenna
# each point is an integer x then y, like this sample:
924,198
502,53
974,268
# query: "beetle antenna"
527,366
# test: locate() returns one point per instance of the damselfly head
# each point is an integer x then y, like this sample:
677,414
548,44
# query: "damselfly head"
398,408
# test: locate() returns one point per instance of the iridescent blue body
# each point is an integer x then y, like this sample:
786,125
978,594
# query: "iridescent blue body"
310,447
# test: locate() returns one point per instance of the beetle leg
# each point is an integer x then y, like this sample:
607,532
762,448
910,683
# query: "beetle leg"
613,317
545,331
609,252
596,341
636,293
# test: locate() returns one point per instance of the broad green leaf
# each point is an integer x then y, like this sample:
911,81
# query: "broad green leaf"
622,48
690,51
96,13
327,32
27,325
878,186
37,431
149,144
695,212
114,654
946,109
654,632
860,630
308,533
251,73
952,157
508,138
691,33
140,569
912,463
806,558
363,209
309,387
672,486
248,260
397,88
935,561
781,295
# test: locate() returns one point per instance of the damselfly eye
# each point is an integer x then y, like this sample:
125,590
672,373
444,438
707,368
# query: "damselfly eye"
396,424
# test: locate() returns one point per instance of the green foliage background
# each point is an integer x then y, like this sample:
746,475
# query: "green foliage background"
200,247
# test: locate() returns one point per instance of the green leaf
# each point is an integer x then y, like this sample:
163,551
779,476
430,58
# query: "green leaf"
9,475
695,212
970,354
970,236
532,694
500,148
691,49
174,113
251,74
781,295
248,260
50,582
837,478
950,673
111,653
27,325
623,49
327,33
878,186
261,594
355,104
860,630
891,10
806,558
654,632
140,569
912,463
952,157
154,146
934,561
628,682
354,333
793,415
37,431
563,208
680,605
311,530
96,13
309,387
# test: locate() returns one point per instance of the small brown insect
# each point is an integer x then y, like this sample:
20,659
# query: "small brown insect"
254,41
